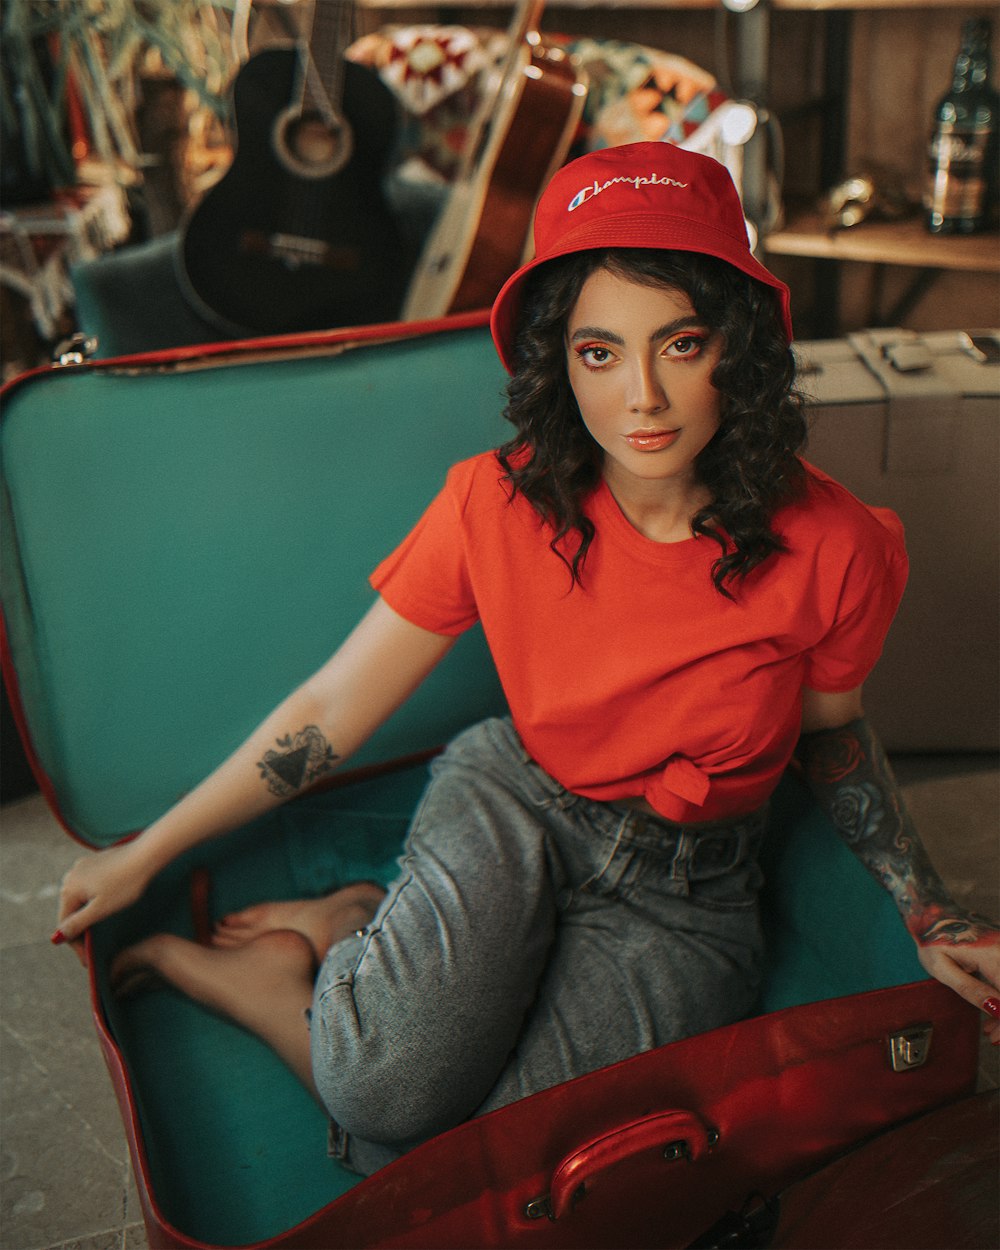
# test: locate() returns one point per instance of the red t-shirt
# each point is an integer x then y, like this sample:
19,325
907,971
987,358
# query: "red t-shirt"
645,680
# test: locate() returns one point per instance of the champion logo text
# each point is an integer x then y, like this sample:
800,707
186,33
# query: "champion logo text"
635,180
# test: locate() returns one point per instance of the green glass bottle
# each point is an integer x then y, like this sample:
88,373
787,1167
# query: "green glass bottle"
960,195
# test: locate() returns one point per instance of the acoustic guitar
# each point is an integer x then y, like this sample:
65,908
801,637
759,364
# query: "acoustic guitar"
521,136
297,234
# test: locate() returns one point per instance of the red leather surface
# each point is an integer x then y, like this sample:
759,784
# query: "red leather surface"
787,1092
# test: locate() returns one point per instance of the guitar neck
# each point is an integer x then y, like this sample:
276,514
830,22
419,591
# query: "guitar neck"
525,22
523,31
330,32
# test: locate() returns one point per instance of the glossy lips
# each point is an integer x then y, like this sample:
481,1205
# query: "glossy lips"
651,440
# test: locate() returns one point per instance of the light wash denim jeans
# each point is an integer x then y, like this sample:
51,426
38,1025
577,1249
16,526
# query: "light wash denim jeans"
531,936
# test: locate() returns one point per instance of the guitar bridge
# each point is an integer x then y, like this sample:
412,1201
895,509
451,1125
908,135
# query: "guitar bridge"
296,250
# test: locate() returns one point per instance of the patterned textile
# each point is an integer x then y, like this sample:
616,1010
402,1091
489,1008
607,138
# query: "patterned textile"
436,74
618,72
441,74
426,64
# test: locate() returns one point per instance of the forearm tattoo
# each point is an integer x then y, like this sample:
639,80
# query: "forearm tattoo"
299,761
848,772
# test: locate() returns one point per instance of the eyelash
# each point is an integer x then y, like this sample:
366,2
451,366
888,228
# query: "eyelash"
587,349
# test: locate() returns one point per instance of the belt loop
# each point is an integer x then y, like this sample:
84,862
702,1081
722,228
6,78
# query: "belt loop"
680,865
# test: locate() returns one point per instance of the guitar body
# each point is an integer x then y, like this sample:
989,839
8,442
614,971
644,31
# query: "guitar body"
483,232
282,244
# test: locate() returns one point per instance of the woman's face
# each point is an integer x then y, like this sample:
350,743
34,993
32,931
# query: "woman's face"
640,364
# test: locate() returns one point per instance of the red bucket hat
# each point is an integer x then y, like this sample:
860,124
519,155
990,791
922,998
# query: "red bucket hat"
652,195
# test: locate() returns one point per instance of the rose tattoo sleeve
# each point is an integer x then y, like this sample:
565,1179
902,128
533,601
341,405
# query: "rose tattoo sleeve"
848,772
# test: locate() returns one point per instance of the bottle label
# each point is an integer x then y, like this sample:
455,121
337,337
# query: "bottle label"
956,184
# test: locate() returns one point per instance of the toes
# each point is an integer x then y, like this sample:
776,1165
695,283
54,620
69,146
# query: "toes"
230,933
232,926
240,926
138,966
246,917
258,918
138,981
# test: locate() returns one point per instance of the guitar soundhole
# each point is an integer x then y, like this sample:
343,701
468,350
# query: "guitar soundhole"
309,145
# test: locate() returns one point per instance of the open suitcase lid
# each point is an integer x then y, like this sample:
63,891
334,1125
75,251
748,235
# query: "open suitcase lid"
188,535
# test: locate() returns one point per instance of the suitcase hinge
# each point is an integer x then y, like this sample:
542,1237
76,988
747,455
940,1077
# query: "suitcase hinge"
539,1208
910,1047
680,1149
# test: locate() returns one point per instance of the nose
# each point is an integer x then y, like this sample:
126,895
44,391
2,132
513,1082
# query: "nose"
646,393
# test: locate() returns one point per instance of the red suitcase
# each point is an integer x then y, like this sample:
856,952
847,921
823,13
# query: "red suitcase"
173,522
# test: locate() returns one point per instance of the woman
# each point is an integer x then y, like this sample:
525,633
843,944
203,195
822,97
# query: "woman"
676,603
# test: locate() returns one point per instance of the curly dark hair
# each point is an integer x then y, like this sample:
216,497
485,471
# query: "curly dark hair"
750,466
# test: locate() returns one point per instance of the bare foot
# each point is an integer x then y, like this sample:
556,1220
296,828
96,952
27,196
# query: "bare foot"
322,921
265,986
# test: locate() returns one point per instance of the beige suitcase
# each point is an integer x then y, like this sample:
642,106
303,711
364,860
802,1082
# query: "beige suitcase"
911,422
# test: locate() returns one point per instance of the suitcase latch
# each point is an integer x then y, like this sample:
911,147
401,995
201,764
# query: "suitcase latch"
910,1047
76,350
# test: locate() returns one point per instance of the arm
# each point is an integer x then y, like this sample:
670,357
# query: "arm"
308,735
848,772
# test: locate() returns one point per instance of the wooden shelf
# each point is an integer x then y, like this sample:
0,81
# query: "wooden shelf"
822,5
887,243
507,5
610,6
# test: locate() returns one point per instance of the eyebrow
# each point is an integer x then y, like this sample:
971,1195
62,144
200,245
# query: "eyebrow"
662,332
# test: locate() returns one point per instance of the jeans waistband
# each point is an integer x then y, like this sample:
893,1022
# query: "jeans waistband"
696,852
647,828
641,829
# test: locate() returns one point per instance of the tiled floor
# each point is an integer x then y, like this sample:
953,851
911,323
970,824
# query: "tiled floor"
63,1161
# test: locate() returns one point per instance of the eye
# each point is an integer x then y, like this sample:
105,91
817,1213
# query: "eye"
685,345
594,355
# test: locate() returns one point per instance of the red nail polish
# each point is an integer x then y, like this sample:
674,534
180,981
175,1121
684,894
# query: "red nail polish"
59,937
992,1005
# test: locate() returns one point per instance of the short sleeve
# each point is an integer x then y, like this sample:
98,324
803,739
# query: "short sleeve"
426,579
872,586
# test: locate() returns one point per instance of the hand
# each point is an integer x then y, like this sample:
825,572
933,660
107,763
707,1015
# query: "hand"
98,885
963,952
